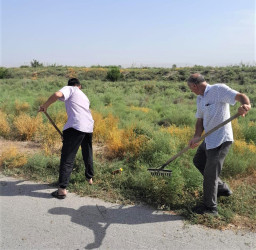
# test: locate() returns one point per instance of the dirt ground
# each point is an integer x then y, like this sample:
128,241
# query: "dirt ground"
30,147
27,147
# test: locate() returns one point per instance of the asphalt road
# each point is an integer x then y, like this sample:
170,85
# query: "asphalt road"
32,219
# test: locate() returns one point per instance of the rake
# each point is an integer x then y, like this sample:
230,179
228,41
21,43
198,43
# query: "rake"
54,125
162,172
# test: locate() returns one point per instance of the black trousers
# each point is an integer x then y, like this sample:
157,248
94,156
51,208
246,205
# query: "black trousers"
72,140
209,163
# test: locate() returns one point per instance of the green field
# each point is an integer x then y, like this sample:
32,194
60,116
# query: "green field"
141,120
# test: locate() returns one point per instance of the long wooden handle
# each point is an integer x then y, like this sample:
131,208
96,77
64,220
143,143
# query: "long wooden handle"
201,138
52,122
219,126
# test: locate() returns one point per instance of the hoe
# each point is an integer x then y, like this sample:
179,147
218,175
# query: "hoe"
162,172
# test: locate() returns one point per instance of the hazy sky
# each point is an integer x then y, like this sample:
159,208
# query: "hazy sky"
128,32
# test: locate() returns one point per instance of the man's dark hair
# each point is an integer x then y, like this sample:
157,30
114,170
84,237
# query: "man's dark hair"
196,78
73,82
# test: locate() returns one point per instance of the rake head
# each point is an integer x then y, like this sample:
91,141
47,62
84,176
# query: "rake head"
160,172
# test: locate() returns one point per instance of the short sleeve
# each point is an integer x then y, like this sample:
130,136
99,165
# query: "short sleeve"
67,91
199,112
226,94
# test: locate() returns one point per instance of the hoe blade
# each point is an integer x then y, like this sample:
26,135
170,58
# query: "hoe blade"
160,172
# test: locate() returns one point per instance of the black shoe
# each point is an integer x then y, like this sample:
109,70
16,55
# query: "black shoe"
56,194
224,193
202,209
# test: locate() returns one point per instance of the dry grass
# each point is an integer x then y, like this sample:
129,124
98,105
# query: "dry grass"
118,142
26,126
237,130
122,142
142,109
47,135
241,147
94,69
12,158
4,125
103,127
49,139
21,107
72,73
183,134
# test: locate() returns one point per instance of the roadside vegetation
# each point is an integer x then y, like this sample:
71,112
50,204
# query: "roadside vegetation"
143,116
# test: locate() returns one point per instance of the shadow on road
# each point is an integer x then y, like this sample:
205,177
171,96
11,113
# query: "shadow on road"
14,188
99,218
94,217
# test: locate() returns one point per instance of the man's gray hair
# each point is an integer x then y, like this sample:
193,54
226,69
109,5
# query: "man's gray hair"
196,78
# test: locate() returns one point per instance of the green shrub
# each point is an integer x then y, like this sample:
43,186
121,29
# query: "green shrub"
4,73
158,149
139,185
113,74
236,164
150,88
250,134
173,115
40,165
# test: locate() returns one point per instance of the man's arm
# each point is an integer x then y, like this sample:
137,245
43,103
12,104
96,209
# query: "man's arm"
198,131
53,98
245,101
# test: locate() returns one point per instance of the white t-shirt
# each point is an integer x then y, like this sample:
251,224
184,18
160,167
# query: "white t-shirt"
77,107
213,108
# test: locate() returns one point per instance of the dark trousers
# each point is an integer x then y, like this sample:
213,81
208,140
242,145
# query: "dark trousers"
210,163
72,140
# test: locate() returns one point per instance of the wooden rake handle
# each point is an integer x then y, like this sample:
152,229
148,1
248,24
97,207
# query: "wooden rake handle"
201,138
54,125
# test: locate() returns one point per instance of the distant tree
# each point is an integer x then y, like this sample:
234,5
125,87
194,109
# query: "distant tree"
174,66
36,63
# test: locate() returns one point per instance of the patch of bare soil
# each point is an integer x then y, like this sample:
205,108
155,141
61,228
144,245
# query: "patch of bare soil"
30,147
244,179
27,147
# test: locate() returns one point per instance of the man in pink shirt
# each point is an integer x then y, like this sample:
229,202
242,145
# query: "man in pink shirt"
77,132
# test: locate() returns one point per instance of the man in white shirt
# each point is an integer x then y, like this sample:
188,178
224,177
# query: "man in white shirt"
212,109
76,132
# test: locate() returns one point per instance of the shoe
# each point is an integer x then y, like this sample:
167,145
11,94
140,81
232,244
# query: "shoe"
56,194
202,209
224,193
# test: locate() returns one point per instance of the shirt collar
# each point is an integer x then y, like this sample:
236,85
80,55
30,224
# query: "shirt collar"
208,86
